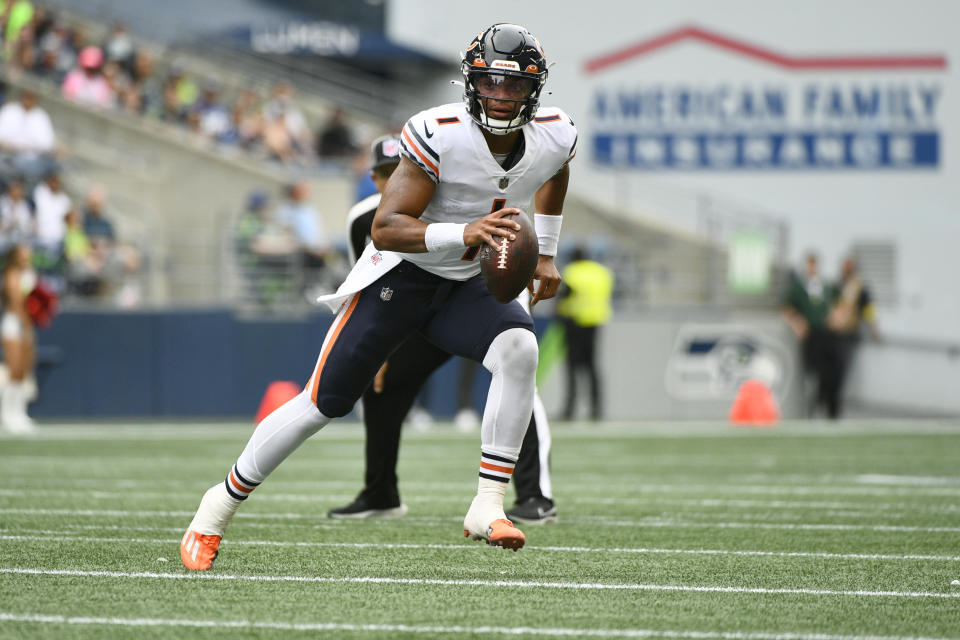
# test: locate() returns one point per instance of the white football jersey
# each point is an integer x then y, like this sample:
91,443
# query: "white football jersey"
450,148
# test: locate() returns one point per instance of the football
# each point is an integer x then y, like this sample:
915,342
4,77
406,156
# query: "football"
508,271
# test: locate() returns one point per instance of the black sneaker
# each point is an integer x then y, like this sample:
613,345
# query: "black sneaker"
534,511
362,508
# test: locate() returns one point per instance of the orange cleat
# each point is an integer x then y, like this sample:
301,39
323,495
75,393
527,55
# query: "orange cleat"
198,551
500,533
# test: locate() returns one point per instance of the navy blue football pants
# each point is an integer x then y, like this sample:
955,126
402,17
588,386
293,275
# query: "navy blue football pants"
461,318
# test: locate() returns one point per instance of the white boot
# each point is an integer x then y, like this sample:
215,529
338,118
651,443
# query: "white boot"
13,409
30,388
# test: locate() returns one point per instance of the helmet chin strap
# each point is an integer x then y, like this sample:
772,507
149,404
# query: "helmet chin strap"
499,131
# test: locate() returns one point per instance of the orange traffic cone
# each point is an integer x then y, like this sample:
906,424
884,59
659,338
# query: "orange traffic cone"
754,406
276,394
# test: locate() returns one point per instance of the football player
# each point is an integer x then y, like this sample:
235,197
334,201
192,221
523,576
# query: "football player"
463,167
388,400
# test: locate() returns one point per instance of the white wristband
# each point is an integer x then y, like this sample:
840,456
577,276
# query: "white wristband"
548,232
442,236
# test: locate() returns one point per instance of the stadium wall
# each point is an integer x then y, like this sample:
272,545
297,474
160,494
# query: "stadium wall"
214,364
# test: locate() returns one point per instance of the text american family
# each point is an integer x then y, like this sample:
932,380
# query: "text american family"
803,125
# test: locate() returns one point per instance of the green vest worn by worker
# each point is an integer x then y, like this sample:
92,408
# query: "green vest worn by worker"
591,286
21,13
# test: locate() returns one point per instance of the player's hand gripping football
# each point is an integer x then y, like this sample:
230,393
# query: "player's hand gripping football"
491,227
549,278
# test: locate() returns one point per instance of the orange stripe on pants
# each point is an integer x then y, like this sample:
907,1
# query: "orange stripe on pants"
331,340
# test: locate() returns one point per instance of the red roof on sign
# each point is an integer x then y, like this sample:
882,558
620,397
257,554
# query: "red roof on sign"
794,63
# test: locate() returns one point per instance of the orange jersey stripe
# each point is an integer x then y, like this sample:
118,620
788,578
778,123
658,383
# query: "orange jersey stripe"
330,343
493,467
237,485
425,159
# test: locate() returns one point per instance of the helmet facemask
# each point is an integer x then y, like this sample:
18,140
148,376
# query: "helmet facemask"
500,101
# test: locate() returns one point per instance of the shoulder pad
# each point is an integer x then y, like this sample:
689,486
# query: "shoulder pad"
559,126
422,138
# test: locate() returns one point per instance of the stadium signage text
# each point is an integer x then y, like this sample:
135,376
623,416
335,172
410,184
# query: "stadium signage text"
880,120
321,38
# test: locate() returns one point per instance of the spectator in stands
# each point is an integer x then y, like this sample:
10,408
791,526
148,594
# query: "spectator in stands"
185,90
805,311
146,90
52,205
281,103
95,224
258,233
336,139
265,250
41,23
14,15
57,56
247,118
24,51
26,48
45,65
76,244
584,306
17,224
119,47
277,140
213,117
26,137
851,307
170,109
78,38
118,80
304,222
86,84
84,267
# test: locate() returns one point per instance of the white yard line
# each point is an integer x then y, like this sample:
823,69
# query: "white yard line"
500,584
787,526
586,520
424,629
58,536
905,480
268,496
585,483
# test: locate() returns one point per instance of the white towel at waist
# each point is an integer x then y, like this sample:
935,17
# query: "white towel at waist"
371,265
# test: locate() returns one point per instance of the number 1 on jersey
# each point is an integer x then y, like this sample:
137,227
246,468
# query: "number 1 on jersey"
472,252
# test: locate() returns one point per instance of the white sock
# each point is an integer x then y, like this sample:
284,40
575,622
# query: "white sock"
8,401
487,506
491,492
14,405
215,511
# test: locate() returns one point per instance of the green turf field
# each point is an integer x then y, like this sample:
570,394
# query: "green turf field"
803,532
